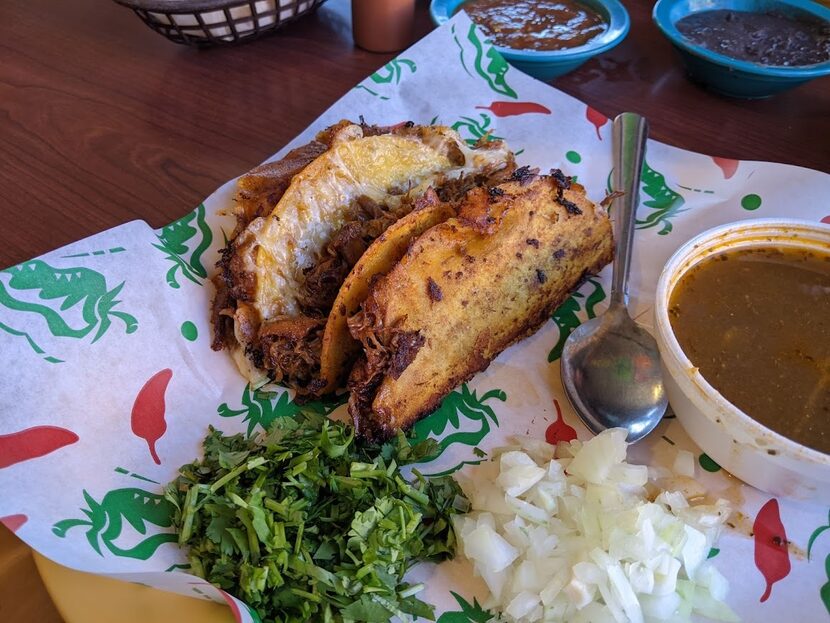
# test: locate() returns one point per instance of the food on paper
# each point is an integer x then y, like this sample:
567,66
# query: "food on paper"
773,368
340,349
467,289
304,524
400,260
536,24
768,38
568,534
305,221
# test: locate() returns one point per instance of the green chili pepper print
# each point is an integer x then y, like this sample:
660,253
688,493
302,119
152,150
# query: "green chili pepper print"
261,409
105,519
566,317
468,614
184,242
32,343
485,61
82,293
665,202
824,591
253,614
393,71
459,404
390,74
97,252
473,130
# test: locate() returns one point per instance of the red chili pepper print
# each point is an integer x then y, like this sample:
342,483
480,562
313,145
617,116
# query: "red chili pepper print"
596,118
772,556
559,431
13,522
511,109
148,411
32,443
727,165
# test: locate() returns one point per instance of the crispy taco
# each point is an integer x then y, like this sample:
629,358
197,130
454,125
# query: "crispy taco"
303,224
339,348
468,288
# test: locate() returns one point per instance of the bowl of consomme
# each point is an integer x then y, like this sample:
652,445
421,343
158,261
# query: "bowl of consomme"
742,316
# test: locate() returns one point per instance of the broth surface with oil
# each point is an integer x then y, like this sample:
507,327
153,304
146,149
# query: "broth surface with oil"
756,323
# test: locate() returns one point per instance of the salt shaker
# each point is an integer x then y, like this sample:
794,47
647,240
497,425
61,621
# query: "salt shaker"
382,25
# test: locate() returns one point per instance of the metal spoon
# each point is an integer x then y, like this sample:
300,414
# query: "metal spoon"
611,367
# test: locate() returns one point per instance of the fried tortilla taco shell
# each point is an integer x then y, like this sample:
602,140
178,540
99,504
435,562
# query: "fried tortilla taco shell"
467,289
340,349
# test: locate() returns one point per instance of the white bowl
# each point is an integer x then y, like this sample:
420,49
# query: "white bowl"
747,449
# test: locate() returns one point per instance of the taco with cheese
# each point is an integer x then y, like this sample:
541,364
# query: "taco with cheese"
304,223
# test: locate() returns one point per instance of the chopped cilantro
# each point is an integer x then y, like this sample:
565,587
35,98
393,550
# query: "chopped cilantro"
307,524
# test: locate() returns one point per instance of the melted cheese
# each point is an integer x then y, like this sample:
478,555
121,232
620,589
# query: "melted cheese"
319,199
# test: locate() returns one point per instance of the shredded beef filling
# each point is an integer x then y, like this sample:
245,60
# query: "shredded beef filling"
362,386
222,315
384,351
366,328
454,190
369,369
290,347
324,279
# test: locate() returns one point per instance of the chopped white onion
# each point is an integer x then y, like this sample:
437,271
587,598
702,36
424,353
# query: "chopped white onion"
574,538
522,604
489,549
595,460
518,473
684,464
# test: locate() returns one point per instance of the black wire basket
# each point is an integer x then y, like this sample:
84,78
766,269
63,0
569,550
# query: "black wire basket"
218,22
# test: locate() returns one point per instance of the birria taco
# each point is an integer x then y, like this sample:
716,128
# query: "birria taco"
397,262
468,288
305,221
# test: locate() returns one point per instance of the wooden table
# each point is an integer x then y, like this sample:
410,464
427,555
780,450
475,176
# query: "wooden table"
102,121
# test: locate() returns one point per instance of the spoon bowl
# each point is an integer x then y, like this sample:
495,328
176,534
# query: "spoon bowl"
610,367
611,373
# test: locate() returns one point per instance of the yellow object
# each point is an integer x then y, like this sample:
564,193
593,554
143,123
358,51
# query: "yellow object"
87,598
339,347
469,288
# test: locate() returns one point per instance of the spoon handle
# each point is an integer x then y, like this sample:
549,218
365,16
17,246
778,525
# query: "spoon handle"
629,138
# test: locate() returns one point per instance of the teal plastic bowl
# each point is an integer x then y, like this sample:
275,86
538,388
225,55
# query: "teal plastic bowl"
724,74
547,65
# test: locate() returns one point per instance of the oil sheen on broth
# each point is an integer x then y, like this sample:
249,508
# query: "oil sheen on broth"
756,323
535,24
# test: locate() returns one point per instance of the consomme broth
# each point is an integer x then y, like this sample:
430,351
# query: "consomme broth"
756,323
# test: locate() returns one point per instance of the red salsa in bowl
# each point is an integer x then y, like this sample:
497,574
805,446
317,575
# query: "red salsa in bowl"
542,25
